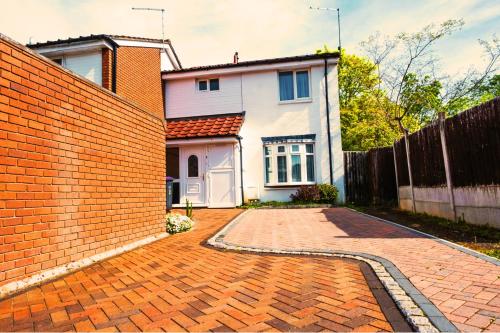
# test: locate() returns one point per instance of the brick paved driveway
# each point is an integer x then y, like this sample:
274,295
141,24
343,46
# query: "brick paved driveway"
177,284
466,289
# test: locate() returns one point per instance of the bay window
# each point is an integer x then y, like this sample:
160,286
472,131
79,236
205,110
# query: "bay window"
293,162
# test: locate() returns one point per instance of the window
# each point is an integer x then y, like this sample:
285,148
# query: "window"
294,83
202,85
193,166
294,163
206,85
214,84
267,153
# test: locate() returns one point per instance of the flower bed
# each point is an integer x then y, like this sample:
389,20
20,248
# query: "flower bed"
176,223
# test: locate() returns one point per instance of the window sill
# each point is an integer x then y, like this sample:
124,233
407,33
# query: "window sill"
296,101
279,186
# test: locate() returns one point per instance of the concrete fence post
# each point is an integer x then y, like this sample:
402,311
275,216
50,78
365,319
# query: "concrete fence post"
449,183
407,146
396,169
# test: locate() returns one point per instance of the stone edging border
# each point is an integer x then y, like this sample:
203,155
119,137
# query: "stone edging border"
15,287
416,308
455,246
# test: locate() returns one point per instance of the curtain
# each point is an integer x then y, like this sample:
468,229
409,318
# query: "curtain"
286,86
268,169
281,169
302,84
296,176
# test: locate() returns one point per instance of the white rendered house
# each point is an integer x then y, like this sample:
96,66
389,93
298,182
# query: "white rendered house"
253,130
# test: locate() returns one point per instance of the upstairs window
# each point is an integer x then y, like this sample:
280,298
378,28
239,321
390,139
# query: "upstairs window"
208,85
294,85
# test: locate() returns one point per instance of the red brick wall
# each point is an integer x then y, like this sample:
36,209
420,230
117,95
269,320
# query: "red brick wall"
138,77
81,170
107,65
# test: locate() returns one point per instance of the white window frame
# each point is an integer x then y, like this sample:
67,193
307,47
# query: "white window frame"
207,80
273,156
295,98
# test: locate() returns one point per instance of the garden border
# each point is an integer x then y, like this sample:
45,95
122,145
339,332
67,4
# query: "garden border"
418,310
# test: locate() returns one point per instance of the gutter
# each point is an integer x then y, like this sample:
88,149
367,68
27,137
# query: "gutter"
328,123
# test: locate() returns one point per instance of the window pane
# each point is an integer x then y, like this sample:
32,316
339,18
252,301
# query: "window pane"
268,169
267,150
202,85
296,176
193,166
214,84
295,148
281,149
310,168
286,86
302,84
309,148
173,162
282,169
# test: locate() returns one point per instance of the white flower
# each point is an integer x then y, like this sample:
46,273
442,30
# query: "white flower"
178,223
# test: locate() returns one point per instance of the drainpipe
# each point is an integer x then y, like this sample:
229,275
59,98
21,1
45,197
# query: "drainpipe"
328,123
241,169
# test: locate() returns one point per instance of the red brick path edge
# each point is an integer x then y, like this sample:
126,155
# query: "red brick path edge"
17,287
417,309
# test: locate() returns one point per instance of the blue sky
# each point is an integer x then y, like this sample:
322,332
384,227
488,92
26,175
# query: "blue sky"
209,31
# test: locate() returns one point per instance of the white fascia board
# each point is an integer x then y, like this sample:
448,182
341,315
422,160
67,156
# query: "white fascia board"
136,43
79,47
246,69
184,142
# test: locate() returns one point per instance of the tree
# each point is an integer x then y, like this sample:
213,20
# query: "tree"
408,70
364,123
409,63
357,76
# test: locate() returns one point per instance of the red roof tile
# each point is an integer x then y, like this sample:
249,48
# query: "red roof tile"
204,126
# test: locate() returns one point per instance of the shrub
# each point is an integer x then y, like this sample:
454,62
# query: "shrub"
322,193
328,193
178,223
306,193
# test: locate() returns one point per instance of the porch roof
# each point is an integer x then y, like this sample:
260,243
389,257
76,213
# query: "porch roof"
219,125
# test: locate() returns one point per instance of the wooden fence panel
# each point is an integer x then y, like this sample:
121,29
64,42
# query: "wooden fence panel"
356,176
473,139
381,176
426,155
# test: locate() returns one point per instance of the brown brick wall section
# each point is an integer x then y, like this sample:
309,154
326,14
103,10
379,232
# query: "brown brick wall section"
81,170
107,58
139,77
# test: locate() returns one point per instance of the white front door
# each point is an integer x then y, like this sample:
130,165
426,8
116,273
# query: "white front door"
194,171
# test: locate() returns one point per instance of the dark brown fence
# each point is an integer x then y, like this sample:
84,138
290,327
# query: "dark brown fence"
473,145
356,176
370,177
473,140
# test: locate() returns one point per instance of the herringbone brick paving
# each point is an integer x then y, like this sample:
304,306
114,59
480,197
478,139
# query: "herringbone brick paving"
465,288
177,284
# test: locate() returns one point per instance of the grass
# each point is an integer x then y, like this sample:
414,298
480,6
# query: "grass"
259,204
483,239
